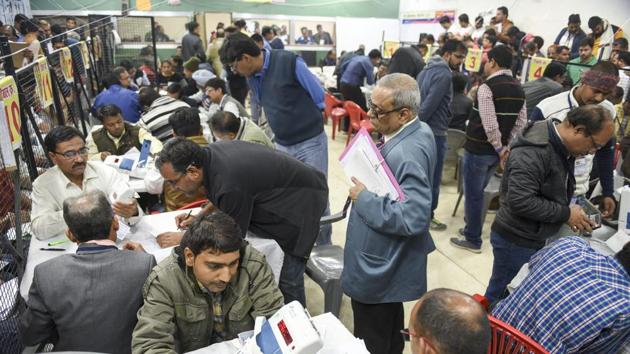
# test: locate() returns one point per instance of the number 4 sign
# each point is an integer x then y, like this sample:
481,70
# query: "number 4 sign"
9,96
537,68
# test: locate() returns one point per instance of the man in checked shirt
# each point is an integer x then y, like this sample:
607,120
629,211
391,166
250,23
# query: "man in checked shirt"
499,114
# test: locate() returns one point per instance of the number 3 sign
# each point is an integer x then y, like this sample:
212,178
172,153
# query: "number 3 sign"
9,96
472,63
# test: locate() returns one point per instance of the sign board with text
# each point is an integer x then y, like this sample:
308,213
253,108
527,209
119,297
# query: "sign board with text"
472,63
537,67
44,83
389,47
11,101
66,65
85,54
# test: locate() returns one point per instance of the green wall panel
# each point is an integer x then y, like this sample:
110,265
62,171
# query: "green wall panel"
343,8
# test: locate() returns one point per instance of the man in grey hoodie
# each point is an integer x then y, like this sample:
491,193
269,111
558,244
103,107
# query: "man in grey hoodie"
436,91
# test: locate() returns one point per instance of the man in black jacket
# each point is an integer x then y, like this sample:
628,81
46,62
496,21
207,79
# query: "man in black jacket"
265,191
537,189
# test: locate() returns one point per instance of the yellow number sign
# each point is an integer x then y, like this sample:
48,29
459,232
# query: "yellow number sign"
44,86
389,47
85,54
10,98
537,67
473,60
66,65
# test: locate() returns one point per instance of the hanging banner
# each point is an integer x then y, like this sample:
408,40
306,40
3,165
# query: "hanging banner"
9,96
537,67
85,54
473,60
143,5
66,65
42,78
389,47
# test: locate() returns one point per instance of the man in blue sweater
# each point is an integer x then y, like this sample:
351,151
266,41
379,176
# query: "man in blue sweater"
360,68
292,98
117,83
436,91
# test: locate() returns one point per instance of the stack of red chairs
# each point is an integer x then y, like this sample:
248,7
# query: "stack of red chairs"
334,110
358,119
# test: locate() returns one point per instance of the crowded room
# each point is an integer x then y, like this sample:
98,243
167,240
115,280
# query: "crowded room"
314,177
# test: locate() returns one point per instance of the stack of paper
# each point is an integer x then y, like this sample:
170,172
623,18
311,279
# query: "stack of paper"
362,160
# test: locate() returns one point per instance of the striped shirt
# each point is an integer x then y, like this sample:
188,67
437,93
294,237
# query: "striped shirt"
156,119
574,299
488,114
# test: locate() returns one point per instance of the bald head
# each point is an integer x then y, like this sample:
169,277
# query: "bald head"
89,216
452,322
404,90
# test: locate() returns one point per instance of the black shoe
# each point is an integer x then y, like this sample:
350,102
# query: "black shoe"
466,245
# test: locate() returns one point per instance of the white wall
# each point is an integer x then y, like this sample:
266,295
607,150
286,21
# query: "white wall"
541,17
368,31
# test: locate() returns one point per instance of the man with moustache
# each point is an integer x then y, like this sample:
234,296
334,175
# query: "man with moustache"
71,176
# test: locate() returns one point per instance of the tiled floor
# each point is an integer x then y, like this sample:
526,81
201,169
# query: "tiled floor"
448,267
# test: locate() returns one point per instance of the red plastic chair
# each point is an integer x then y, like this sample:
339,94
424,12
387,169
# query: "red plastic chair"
507,339
334,110
194,204
358,119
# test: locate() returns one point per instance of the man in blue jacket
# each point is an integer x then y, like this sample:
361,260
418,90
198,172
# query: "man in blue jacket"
572,35
387,241
359,69
117,92
436,90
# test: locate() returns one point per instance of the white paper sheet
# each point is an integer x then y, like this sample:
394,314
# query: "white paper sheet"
617,241
362,162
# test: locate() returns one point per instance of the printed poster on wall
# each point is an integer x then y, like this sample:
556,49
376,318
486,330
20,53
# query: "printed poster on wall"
537,68
85,54
8,158
473,60
42,78
427,16
66,65
389,47
11,101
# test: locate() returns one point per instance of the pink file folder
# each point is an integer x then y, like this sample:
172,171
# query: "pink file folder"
363,133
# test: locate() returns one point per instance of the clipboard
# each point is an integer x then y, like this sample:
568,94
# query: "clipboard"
363,160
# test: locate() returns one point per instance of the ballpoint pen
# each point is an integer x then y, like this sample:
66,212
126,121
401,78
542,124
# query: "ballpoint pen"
186,218
52,249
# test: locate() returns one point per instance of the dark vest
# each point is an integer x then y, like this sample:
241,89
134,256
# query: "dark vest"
290,110
127,141
508,98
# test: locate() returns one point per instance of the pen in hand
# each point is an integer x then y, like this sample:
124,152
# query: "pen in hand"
179,227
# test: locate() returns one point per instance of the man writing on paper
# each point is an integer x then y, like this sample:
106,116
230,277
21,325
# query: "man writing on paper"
389,239
266,191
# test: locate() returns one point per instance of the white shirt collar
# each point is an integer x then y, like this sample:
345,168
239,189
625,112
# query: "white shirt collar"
388,137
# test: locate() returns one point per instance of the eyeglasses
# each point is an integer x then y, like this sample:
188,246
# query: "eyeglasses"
407,334
174,182
378,112
595,145
73,153
234,64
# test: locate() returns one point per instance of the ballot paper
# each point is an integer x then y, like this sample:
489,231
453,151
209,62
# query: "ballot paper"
123,230
618,240
362,159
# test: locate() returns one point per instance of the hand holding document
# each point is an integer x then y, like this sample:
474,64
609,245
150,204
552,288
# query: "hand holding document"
362,160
